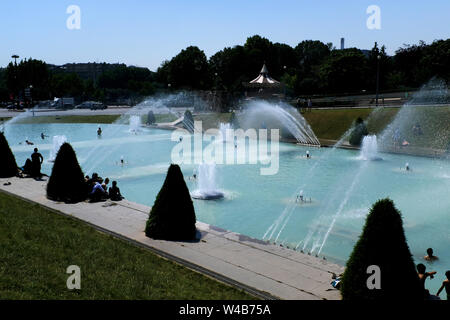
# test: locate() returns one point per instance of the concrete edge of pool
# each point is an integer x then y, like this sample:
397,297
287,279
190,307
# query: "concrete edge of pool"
265,270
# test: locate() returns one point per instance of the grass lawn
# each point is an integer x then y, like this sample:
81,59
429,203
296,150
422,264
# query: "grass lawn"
333,123
37,245
212,120
71,119
106,119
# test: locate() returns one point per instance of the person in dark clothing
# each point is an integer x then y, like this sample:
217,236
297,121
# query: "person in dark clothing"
97,193
446,285
26,169
36,162
423,275
114,192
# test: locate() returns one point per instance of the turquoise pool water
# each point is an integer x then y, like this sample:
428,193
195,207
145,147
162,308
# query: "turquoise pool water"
342,188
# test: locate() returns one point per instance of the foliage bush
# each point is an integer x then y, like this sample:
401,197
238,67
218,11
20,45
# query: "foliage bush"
382,243
172,216
234,121
66,182
8,165
358,133
151,117
188,121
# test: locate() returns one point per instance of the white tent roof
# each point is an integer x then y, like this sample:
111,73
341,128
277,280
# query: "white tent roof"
264,77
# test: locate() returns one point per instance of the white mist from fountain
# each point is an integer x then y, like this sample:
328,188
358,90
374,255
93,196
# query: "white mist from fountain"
223,127
369,148
135,124
278,115
207,183
58,141
280,223
158,104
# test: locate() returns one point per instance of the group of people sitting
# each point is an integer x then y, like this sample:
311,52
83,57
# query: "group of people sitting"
98,189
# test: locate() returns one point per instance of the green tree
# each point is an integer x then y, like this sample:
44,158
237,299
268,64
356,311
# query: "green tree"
344,71
66,85
8,165
383,244
66,182
229,69
172,216
187,70
28,73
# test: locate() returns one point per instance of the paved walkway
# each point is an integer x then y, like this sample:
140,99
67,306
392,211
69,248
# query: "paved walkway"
251,264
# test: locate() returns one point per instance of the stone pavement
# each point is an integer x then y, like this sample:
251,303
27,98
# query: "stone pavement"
266,270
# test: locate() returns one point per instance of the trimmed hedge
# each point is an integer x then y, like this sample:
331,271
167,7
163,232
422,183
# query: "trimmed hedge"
8,165
358,133
172,216
234,121
188,121
66,182
382,243
151,117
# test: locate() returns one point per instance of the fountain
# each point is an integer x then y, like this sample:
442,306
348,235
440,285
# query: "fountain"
369,148
58,141
135,124
267,115
223,127
206,183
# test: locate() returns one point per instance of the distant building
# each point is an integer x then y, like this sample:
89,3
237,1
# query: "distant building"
342,43
264,86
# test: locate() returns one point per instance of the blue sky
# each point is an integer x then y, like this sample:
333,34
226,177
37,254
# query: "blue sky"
145,33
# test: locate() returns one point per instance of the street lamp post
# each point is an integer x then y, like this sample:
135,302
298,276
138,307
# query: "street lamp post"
378,79
15,57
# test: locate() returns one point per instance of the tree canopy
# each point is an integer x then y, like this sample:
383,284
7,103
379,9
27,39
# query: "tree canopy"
310,67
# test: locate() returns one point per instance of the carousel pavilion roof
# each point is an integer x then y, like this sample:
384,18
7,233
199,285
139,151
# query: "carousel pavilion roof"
264,79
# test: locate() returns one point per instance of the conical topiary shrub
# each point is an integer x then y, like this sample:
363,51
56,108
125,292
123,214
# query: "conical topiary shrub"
188,121
358,133
234,121
151,117
66,182
8,165
382,243
172,216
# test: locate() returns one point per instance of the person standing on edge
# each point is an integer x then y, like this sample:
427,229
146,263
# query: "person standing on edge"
36,162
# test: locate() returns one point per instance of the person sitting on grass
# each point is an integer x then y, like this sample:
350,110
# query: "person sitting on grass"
114,192
446,285
429,256
423,276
